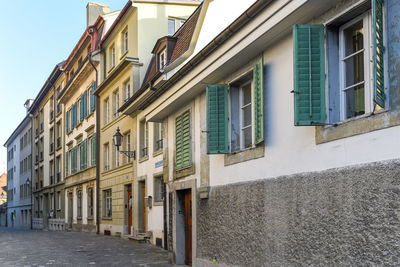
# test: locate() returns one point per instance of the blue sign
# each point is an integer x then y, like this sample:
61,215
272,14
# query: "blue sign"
158,164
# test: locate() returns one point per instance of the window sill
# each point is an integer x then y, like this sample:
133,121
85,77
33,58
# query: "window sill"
106,218
124,54
356,126
244,155
157,152
143,159
184,172
157,203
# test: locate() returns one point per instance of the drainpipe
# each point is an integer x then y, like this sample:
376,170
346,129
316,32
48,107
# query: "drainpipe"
97,109
54,152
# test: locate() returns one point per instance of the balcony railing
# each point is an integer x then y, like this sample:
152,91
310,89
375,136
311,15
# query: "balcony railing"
37,186
41,126
37,159
37,132
143,152
58,142
106,167
51,115
51,179
159,144
58,177
51,148
41,155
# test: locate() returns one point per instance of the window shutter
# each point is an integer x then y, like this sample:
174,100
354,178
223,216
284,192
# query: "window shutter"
258,102
67,123
66,163
85,155
75,114
309,75
94,150
217,119
81,159
85,112
183,141
92,101
72,160
378,54
81,108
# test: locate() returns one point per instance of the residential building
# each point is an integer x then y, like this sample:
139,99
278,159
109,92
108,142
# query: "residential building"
126,199
48,181
19,174
80,122
282,133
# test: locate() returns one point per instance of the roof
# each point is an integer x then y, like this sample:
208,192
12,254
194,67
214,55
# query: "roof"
17,131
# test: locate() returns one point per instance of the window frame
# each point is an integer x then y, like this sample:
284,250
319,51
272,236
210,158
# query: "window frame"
112,56
107,203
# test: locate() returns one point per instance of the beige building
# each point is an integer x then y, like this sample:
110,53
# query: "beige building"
126,199
48,182
80,70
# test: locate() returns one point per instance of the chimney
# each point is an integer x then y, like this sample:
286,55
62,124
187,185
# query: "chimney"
93,11
28,104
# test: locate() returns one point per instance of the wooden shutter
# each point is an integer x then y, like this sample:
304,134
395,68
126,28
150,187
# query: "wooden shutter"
183,141
94,150
309,75
85,154
92,96
217,119
258,82
378,53
67,122
81,108
66,163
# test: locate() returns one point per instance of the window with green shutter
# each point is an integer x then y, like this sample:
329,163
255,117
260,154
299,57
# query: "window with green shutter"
93,150
258,81
92,97
66,163
217,119
378,52
183,157
81,108
67,122
309,75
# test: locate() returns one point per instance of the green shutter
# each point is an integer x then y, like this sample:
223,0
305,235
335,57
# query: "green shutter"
94,150
85,154
378,54
309,75
217,119
75,114
67,123
85,113
81,159
81,109
183,141
92,100
66,163
258,102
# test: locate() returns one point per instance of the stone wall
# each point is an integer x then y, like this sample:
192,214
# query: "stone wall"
347,216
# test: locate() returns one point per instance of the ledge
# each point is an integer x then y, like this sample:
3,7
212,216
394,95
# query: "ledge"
143,159
184,172
372,122
245,155
157,153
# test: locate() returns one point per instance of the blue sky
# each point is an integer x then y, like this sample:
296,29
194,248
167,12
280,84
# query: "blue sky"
35,36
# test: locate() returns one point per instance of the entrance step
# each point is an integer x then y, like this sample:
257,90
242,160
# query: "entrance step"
139,238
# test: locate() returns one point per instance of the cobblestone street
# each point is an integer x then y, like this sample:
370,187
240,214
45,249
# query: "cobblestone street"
43,248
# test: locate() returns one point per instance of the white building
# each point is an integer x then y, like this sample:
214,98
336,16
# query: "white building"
19,175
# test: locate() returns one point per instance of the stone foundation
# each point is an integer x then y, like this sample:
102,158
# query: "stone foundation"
347,216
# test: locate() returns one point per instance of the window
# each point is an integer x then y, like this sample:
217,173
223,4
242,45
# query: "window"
106,111
127,90
115,99
127,139
115,156
174,24
107,203
144,141
112,56
106,157
58,200
58,168
79,203
51,201
124,41
93,149
354,43
90,202
158,189
183,157
158,139
162,59
355,68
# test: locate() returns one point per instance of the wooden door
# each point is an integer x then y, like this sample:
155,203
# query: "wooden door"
143,188
129,211
188,227
70,210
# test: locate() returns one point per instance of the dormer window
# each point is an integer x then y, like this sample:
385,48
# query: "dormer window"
162,59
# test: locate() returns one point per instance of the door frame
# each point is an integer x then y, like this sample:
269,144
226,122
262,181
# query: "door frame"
70,209
129,192
177,188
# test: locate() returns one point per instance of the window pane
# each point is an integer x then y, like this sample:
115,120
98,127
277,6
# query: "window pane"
246,116
246,94
247,137
171,26
354,38
355,105
354,70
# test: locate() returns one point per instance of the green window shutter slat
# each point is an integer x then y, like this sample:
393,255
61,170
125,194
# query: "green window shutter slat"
81,108
66,164
217,118
75,114
85,104
92,101
67,123
309,75
85,154
94,150
182,141
378,52
258,80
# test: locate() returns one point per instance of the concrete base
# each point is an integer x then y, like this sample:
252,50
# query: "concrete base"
347,216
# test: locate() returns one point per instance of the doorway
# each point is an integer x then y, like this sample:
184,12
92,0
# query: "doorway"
184,227
142,207
128,206
70,209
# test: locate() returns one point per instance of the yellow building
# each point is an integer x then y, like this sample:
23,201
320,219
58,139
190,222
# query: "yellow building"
125,198
80,122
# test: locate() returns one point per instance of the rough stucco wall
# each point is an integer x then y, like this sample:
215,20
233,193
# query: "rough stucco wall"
393,24
347,216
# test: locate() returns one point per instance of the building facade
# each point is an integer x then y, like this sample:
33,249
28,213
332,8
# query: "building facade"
19,166
126,190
